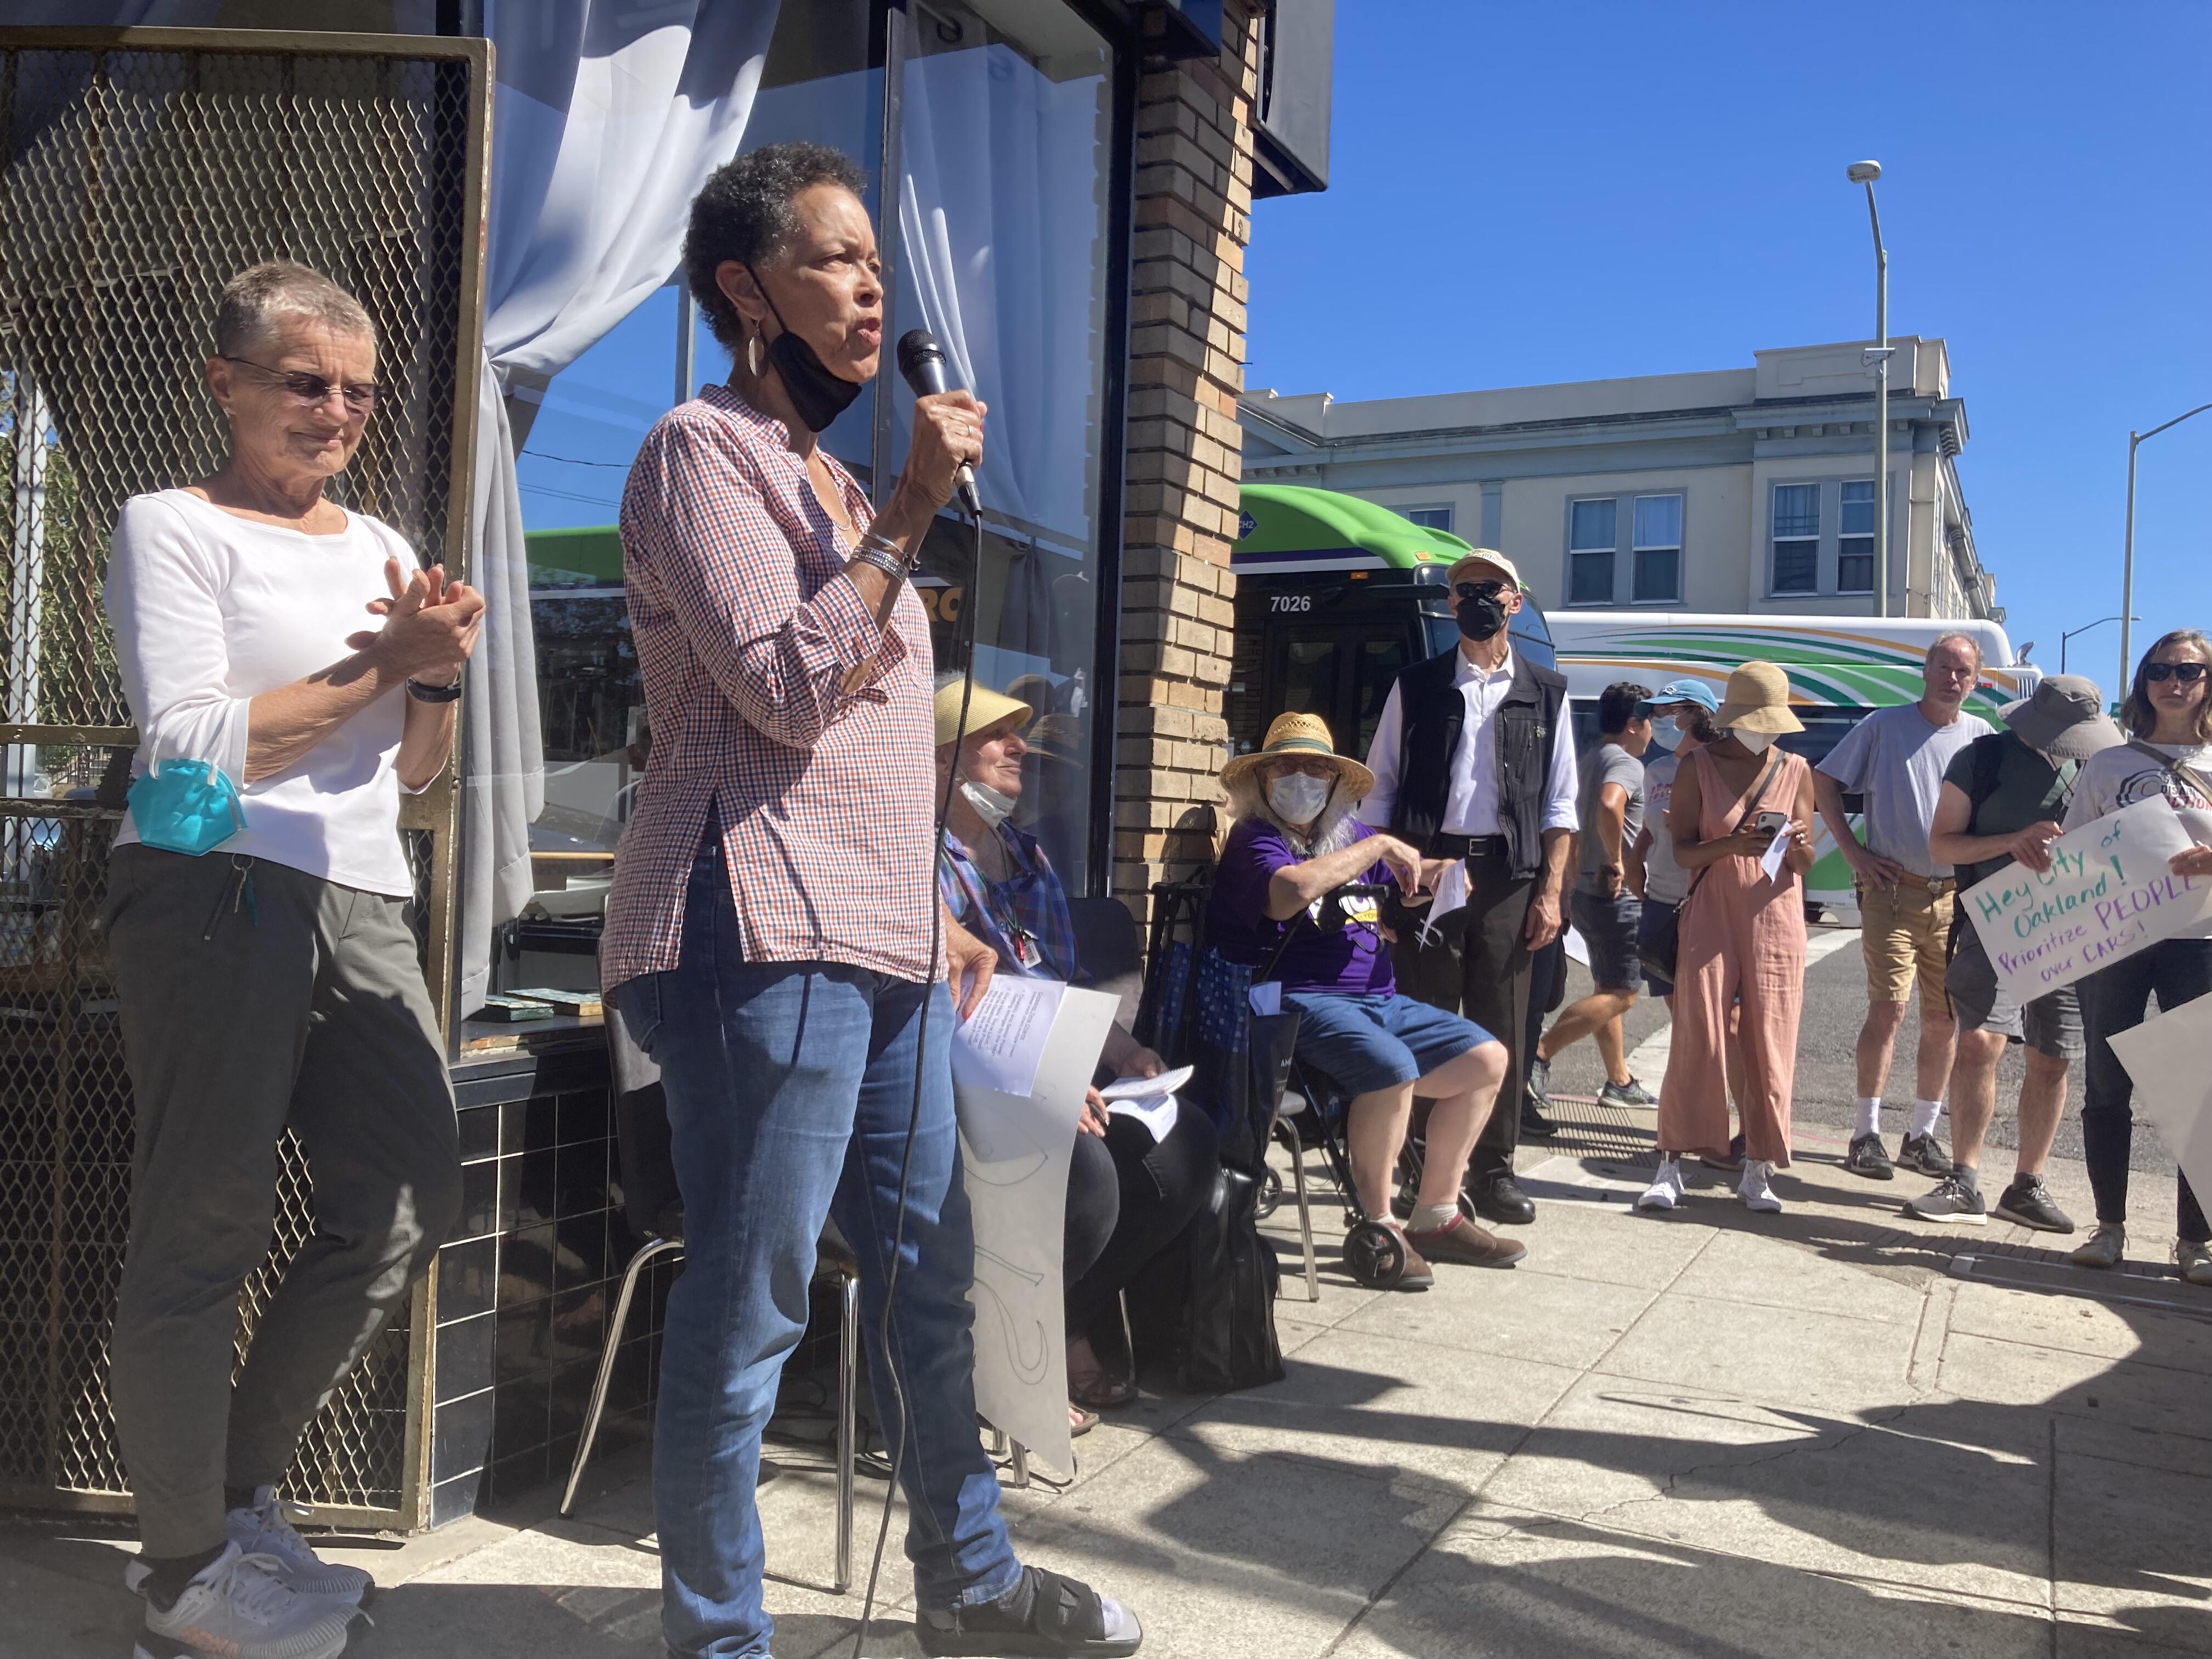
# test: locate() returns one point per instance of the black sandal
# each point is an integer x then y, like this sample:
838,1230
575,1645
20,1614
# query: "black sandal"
1047,1616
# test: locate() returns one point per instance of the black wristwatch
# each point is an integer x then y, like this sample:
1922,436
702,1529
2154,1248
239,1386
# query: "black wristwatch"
422,693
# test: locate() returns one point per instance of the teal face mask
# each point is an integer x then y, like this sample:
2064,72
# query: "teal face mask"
186,807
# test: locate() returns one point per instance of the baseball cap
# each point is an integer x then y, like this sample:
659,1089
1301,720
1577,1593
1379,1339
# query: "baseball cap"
1687,690
1481,556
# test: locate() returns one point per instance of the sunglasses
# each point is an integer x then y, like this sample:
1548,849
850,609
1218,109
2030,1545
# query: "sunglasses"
2187,672
313,390
1485,590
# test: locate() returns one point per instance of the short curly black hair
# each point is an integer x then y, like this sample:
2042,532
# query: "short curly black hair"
743,212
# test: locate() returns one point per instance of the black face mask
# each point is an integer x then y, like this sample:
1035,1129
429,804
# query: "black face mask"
1480,618
817,397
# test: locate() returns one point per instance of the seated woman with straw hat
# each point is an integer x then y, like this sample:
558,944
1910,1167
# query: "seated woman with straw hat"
1295,842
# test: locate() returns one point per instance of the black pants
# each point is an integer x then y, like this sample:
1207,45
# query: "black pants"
1478,967
2115,999
1127,1196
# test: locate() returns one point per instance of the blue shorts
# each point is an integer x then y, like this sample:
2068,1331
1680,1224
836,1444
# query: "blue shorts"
1367,1043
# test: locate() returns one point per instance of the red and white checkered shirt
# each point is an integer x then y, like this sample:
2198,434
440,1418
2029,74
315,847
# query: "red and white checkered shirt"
746,628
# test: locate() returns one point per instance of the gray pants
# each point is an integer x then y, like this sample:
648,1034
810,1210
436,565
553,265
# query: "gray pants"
302,1004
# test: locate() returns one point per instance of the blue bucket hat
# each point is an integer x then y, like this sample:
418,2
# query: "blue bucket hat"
1687,690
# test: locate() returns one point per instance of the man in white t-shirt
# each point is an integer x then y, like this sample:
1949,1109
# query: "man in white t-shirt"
1895,758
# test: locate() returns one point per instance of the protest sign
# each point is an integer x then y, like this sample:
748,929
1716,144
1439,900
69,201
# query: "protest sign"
2170,1058
2109,892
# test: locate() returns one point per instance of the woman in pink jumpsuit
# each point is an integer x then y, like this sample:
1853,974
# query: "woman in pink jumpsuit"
1742,937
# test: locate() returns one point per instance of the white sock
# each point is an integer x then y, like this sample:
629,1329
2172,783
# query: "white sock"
1429,1217
1869,1118
1924,1113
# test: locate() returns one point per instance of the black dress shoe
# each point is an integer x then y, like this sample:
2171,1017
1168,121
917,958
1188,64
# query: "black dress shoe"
1499,1198
1534,1126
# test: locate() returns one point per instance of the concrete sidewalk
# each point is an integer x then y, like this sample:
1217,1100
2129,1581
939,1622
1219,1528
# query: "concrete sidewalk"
1832,1431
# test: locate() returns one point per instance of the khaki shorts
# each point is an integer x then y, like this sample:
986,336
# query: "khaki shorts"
1905,932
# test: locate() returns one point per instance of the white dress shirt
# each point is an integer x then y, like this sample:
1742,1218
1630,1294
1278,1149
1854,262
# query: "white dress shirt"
1471,803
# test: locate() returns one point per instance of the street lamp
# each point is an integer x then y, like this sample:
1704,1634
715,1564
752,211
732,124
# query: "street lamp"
1865,173
2084,628
2128,563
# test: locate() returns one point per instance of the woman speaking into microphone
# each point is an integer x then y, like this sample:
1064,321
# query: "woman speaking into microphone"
769,933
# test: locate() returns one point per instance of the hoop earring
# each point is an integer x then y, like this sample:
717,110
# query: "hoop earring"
753,353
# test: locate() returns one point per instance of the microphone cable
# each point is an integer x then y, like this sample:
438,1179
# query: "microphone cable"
901,1415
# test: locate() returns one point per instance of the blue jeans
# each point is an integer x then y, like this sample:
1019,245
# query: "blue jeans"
789,1086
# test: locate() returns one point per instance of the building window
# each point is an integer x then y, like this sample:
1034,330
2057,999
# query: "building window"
1797,538
1656,562
1855,543
1592,536
1429,518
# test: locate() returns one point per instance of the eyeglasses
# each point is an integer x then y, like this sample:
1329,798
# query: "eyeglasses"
2187,672
1487,590
313,390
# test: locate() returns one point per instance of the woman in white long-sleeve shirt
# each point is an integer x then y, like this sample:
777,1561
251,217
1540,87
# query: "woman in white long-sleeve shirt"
271,980
2168,756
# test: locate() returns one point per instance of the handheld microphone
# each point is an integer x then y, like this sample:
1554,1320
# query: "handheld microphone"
921,359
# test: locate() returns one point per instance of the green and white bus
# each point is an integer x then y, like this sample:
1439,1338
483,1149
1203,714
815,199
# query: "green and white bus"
1841,669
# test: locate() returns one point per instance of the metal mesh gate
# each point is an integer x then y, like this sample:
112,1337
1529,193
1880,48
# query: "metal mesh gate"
139,170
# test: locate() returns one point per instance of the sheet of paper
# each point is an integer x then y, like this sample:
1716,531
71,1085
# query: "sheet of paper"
1015,1150
2170,1058
2107,894
1266,998
1770,862
1578,946
1451,895
1156,1112
1001,1045
1138,1088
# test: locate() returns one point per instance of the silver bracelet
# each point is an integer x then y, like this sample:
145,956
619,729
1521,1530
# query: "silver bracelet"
890,549
874,557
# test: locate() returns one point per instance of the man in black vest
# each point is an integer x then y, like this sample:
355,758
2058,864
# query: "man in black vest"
1473,759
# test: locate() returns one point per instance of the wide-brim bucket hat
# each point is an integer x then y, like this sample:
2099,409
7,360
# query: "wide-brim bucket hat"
986,708
2064,717
1302,734
1757,700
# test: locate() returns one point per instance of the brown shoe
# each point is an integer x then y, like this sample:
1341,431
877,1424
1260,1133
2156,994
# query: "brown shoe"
1459,1240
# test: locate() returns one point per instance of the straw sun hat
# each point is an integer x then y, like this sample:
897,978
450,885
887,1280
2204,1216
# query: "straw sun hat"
1757,700
986,708
1301,734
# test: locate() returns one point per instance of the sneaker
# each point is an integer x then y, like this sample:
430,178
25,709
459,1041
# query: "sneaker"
1756,1190
1954,1200
1732,1163
1630,1093
1867,1158
1666,1190
2027,1203
262,1530
2107,1247
1925,1153
1459,1240
2193,1260
238,1607
1539,1080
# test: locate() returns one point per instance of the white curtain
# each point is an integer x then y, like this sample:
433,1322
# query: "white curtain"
609,116
1000,218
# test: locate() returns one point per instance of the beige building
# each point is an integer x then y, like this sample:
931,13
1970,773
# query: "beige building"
1738,490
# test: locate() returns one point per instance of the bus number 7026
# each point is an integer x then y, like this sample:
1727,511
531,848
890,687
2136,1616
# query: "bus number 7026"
1290,602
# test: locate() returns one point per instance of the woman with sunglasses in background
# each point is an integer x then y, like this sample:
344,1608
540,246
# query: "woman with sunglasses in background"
2168,756
266,974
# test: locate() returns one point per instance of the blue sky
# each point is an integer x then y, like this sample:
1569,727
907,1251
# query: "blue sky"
1528,193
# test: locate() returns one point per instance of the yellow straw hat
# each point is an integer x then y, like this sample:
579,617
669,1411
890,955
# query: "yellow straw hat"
986,708
1300,733
1757,700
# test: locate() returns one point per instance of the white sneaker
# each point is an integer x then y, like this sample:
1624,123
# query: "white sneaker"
262,1530
238,1607
1756,1190
1666,1190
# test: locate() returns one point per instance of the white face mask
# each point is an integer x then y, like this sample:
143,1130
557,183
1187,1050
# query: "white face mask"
1298,797
1757,742
990,805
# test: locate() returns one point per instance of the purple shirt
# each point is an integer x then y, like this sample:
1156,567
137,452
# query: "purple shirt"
1348,963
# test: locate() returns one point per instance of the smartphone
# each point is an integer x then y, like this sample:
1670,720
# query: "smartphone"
1770,824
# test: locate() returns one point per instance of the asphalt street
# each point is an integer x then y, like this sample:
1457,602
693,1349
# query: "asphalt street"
1835,1005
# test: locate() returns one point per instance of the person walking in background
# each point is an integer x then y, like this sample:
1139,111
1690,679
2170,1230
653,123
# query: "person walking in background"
2001,802
1896,758
1742,938
1474,761
1608,900
2167,757
1681,724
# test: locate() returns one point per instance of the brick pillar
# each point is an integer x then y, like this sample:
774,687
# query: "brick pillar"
1193,217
